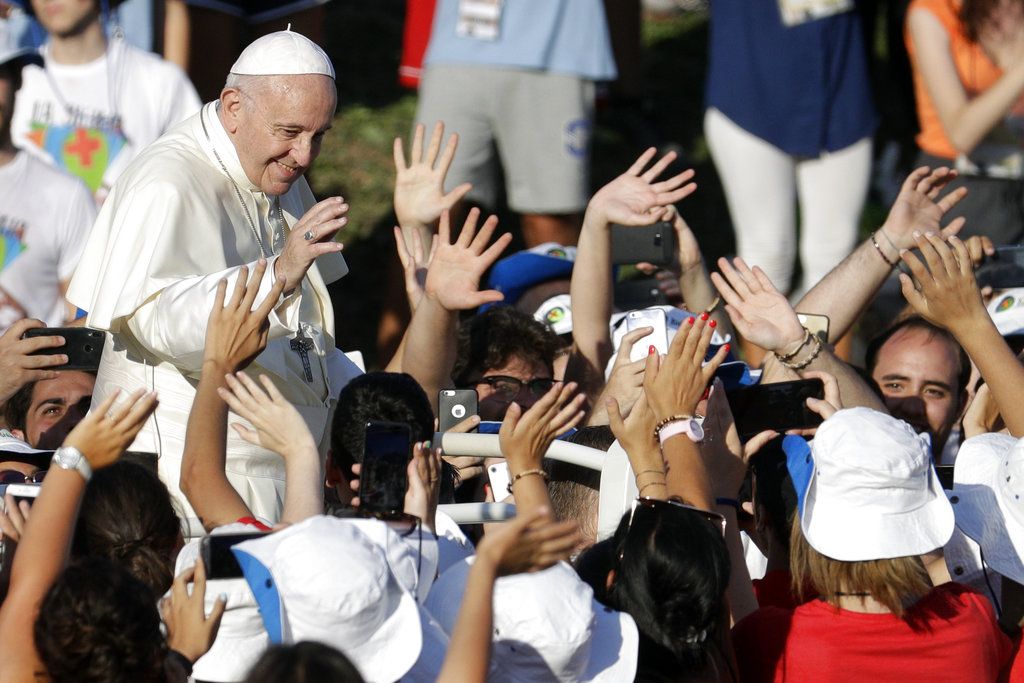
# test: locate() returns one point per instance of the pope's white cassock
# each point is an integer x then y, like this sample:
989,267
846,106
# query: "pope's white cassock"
173,226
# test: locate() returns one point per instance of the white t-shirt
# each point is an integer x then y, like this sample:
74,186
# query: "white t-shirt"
92,119
45,218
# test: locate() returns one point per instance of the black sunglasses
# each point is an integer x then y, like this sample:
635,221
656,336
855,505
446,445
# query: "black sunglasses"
508,388
16,477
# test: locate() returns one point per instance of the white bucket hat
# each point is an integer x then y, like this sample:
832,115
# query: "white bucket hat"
873,494
988,499
325,580
547,627
241,638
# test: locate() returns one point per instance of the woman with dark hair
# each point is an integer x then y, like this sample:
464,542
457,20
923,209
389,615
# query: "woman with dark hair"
968,64
301,662
127,517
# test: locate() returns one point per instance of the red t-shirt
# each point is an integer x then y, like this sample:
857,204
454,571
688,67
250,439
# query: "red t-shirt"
950,635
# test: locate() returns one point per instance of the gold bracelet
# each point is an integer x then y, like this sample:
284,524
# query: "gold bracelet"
807,361
526,473
803,343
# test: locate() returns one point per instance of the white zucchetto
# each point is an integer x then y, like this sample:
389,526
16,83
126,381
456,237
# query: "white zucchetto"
283,53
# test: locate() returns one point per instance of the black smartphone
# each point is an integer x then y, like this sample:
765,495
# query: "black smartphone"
454,406
218,559
643,244
383,478
7,548
945,473
779,406
1004,270
83,346
630,295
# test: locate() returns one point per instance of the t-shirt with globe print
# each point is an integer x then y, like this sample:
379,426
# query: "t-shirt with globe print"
92,119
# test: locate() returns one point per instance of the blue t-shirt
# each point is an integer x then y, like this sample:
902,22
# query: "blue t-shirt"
804,88
563,36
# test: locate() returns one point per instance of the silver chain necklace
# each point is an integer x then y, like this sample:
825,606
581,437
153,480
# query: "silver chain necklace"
238,192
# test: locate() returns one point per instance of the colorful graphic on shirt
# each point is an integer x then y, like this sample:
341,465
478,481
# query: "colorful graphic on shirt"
83,152
12,240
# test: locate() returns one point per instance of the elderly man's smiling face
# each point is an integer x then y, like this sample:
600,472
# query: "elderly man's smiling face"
277,124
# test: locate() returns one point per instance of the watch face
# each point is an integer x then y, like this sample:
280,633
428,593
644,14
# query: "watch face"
67,458
696,431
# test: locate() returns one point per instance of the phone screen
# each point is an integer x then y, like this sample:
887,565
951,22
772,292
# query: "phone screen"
383,478
945,474
779,406
220,562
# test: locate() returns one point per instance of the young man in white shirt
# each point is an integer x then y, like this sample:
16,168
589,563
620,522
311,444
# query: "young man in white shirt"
95,103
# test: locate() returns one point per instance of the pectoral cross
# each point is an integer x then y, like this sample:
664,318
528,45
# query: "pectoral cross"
302,345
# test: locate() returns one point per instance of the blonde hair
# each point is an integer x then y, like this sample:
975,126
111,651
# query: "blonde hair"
897,583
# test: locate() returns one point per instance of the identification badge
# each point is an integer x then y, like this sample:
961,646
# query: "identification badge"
796,12
479,19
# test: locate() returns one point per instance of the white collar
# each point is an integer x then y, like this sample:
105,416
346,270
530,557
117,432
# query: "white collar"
216,143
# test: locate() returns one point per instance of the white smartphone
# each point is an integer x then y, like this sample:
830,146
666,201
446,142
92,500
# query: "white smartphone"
648,317
497,475
20,492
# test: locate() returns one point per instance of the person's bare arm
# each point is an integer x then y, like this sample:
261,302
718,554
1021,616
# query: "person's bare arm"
634,198
102,437
177,33
944,291
236,334
966,120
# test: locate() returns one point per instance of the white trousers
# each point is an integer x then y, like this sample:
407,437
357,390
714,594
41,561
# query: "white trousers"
761,183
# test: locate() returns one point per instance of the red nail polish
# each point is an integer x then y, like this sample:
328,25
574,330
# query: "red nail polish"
706,394
704,315
727,347
712,323
651,350
689,321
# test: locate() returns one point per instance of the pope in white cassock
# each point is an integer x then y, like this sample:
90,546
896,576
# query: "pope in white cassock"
221,190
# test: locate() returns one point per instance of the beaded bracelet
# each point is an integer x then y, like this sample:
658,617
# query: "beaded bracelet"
526,473
881,253
790,356
666,422
807,361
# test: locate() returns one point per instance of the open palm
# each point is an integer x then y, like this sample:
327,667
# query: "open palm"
419,185
455,270
761,313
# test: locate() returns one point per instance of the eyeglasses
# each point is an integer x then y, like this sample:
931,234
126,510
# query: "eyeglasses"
16,477
507,388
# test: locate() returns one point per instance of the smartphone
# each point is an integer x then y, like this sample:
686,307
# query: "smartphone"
27,492
631,294
648,317
497,476
383,478
83,346
218,559
779,406
815,324
7,548
1004,270
454,406
945,473
654,244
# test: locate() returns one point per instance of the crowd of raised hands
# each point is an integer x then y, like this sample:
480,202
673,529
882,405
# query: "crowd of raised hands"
669,414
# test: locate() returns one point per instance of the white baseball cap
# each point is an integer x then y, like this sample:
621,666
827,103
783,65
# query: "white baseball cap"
873,493
556,312
324,580
547,627
283,53
988,499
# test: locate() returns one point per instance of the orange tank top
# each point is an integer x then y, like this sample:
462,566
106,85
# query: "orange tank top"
976,71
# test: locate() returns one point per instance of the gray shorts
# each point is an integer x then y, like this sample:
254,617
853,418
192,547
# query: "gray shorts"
538,125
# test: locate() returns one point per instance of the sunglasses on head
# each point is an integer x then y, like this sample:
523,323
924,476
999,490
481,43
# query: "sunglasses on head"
658,506
16,477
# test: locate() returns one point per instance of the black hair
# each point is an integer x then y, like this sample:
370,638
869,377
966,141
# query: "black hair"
16,408
916,322
493,337
774,490
128,518
305,662
99,623
671,573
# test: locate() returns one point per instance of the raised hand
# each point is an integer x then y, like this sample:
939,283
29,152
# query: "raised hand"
419,185
107,431
722,450
18,366
525,437
424,483
673,386
530,542
236,334
189,630
636,197
415,263
944,291
635,433
311,237
278,425
453,278
760,313
626,380
918,207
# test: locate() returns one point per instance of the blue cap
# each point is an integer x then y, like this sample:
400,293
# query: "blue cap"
515,274
800,465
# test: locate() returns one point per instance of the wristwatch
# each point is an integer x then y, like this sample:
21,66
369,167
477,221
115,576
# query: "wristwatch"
688,426
70,458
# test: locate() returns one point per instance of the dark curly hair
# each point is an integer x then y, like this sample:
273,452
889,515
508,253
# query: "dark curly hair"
490,339
305,662
127,517
99,623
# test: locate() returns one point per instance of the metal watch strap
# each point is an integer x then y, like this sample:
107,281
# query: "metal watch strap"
76,461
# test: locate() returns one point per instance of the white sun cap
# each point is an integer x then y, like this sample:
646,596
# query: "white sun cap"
283,53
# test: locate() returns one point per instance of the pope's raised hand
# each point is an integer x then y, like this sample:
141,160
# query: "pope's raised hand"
311,237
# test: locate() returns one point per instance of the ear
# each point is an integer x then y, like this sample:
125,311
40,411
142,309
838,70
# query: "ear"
19,434
230,109
609,580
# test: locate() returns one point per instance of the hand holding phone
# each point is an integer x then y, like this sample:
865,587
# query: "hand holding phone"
779,406
648,317
454,406
83,346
